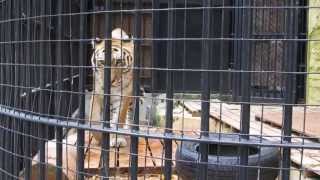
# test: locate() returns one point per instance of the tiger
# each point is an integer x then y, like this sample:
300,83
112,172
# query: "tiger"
121,84
121,102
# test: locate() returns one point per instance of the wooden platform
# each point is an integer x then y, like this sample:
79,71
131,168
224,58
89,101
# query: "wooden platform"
230,115
150,158
303,122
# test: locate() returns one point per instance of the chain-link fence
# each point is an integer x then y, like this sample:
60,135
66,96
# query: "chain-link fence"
159,89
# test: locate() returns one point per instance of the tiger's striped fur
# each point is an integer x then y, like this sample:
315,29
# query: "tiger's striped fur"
121,83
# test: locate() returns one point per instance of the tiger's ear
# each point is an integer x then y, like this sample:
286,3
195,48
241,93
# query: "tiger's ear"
130,38
94,42
119,34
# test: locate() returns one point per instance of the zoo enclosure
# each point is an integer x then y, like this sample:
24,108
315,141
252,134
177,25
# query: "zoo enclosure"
245,52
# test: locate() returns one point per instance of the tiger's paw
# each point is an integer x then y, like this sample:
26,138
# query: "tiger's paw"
119,141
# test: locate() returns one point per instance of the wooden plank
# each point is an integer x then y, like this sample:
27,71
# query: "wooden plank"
192,107
148,157
230,114
303,122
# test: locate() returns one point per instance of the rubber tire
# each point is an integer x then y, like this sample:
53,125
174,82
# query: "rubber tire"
227,168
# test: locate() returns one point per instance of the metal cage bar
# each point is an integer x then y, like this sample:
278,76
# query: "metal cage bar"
58,105
107,84
42,128
205,83
27,128
216,74
245,86
169,89
82,82
136,90
291,54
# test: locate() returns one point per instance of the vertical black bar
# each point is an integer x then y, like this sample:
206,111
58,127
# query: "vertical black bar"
59,130
2,140
169,89
222,44
2,88
237,28
136,90
16,58
245,87
8,160
21,72
155,46
290,64
5,89
82,82
245,66
107,90
205,88
27,152
10,90
34,71
41,105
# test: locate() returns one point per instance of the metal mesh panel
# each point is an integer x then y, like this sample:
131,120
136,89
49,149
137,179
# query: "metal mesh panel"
158,89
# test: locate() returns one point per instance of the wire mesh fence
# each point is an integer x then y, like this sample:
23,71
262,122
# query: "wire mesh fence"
159,89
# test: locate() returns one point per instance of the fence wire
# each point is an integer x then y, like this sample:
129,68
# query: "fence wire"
159,89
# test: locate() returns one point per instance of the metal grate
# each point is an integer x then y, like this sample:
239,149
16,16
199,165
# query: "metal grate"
216,89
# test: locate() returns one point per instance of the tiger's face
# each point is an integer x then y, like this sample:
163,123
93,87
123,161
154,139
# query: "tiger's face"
122,56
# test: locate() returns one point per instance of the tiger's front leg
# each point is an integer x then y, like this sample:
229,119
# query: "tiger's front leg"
119,120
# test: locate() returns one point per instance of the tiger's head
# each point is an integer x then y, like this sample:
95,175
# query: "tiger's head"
122,56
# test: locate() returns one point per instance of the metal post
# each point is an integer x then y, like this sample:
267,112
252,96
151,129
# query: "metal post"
16,102
244,55
237,27
3,33
205,87
59,130
136,90
42,127
2,74
155,44
82,82
291,27
8,57
27,127
105,146
169,89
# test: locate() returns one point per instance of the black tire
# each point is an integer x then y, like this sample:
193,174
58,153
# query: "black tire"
227,168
